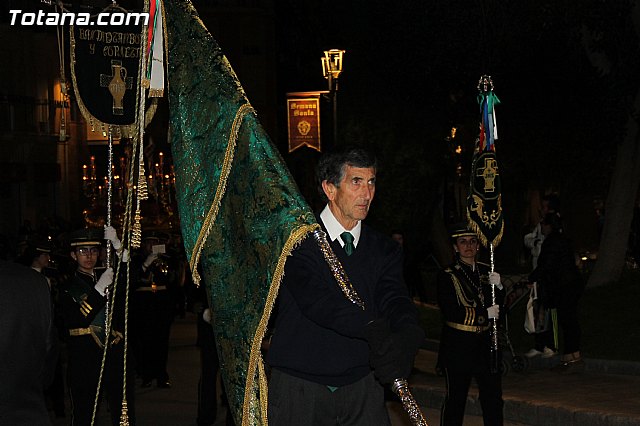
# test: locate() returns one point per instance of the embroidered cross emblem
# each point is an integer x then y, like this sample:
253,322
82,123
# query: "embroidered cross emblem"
489,173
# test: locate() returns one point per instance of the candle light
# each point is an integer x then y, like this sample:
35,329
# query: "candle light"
93,168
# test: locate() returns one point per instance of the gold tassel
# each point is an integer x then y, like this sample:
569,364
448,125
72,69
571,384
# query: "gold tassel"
124,417
136,233
143,192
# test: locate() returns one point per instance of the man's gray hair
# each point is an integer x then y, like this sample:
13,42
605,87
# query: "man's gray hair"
331,166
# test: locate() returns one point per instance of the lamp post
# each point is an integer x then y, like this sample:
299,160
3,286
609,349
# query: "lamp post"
331,69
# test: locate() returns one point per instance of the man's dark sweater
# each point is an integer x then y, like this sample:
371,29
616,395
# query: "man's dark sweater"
319,334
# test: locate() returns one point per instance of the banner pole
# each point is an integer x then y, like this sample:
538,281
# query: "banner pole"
494,323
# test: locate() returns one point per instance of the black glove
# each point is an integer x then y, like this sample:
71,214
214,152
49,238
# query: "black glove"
392,354
382,354
409,339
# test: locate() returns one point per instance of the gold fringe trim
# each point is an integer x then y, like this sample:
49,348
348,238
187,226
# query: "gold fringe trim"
264,392
483,238
255,357
125,131
220,191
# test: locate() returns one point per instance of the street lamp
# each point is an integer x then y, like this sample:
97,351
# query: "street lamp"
331,69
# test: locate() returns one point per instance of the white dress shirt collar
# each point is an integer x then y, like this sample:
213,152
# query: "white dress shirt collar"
335,229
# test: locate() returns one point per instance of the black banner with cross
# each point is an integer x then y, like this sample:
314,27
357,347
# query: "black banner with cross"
484,202
104,65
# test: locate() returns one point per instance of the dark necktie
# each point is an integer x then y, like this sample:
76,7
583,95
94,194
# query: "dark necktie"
348,243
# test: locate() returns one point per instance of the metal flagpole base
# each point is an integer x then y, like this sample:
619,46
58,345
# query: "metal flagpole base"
401,388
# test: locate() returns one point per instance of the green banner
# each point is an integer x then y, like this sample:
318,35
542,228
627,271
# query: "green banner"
240,210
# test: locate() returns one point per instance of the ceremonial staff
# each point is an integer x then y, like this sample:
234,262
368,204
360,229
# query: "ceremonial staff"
484,202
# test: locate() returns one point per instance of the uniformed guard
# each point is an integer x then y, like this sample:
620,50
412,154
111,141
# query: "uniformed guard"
464,297
82,302
37,255
154,308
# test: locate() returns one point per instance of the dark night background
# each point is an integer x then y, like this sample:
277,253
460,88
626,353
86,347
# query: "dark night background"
411,69
410,74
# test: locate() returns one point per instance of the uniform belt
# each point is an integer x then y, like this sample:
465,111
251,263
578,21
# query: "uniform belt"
471,328
79,331
152,288
92,330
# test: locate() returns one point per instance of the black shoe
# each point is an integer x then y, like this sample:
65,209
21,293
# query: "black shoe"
146,383
165,384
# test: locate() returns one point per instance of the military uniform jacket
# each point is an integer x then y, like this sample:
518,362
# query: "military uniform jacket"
463,296
83,310
154,288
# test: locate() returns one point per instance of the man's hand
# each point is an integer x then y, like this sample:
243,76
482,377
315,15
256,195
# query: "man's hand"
111,235
149,260
383,355
105,281
392,353
494,279
493,312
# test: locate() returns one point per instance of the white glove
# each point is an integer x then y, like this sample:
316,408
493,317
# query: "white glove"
111,235
206,316
149,260
124,256
105,280
494,279
493,311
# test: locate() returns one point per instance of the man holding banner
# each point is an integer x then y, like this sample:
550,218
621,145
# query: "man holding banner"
324,347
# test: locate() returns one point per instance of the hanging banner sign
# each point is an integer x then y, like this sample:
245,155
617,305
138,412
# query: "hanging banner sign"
303,119
104,67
